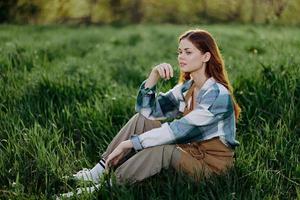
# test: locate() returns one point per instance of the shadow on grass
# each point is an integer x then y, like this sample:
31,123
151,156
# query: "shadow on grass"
169,184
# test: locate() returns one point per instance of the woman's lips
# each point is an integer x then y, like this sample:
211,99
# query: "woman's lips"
182,64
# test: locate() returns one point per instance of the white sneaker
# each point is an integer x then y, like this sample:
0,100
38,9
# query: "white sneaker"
78,192
86,175
93,174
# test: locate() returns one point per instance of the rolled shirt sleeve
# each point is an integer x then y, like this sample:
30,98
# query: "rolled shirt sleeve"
158,107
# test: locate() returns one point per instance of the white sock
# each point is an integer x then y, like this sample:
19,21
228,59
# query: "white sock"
91,174
98,170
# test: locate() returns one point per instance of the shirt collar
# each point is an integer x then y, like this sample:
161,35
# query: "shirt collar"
188,83
207,84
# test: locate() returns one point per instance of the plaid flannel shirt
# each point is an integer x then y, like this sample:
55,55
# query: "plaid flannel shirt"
213,115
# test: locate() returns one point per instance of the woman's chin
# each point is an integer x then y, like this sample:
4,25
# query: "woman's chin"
184,70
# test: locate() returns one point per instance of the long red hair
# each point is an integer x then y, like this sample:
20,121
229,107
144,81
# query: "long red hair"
215,67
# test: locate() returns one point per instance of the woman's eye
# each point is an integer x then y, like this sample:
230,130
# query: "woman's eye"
187,52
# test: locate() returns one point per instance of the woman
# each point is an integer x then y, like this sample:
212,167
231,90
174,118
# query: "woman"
200,142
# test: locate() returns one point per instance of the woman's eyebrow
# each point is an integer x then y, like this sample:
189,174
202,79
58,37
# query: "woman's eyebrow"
184,48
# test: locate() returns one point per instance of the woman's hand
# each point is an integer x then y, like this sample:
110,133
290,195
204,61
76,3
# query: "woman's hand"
164,70
118,153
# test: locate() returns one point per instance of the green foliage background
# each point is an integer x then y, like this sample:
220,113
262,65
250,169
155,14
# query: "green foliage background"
284,12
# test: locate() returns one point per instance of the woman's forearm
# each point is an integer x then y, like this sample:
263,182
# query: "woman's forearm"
152,79
127,144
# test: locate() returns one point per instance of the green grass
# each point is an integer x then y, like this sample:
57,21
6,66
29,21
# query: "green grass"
66,91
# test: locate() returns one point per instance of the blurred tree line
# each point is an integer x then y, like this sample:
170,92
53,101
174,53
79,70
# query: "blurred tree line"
149,11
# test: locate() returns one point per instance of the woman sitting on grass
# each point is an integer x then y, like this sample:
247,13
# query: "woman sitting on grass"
200,142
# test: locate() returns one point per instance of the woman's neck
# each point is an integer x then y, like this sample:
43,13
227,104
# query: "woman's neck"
199,77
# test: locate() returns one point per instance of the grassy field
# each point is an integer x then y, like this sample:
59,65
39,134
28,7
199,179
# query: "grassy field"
66,91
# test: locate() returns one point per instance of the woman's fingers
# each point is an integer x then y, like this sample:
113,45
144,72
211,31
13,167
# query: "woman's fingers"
114,157
110,162
107,163
165,70
171,71
116,160
160,71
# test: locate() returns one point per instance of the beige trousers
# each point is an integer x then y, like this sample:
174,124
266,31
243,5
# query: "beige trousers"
196,159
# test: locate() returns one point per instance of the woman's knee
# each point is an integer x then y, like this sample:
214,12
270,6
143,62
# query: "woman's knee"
146,123
140,116
136,116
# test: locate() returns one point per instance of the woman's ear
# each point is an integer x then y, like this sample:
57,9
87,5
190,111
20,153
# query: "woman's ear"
207,56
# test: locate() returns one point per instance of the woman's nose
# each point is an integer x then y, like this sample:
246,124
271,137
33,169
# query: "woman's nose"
180,57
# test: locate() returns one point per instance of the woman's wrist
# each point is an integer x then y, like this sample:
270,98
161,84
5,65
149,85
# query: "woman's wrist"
152,79
127,144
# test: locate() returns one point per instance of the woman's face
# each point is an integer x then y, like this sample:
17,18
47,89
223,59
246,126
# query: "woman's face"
189,57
